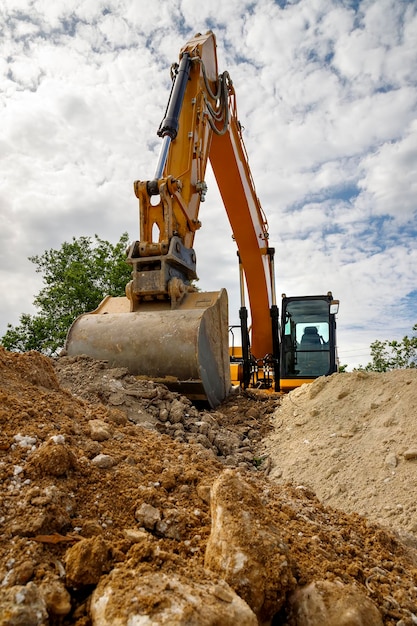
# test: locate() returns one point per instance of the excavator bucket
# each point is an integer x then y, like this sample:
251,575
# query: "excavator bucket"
185,348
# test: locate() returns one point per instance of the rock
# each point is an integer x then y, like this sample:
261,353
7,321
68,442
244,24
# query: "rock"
410,454
99,430
23,572
139,416
391,460
56,597
226,442
91,528
147,516
158,598
163,414
53,458
176,413
245,457
202,427
91,448
22,606
142,392
203,441
103,461
135,535
170,524
117,417
117,398
253,412
203,492
86,561
333,604
246,548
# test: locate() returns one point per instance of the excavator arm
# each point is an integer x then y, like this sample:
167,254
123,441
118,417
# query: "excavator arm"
201,123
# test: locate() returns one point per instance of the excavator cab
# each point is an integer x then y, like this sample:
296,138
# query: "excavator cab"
304,347
308,339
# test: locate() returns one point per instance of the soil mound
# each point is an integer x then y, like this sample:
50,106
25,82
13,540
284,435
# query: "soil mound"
352,439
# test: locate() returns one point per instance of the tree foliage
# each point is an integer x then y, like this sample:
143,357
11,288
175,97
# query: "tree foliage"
390,355
76,277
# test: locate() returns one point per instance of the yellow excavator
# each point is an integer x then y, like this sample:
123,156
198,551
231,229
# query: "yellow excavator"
165,328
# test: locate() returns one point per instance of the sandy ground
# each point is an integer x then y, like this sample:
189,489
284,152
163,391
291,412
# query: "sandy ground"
352,439
103,474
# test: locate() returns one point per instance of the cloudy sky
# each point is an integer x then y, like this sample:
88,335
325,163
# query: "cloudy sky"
326,92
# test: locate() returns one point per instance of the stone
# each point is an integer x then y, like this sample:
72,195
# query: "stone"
56,597
163,414
99,430
24,572
86,561
253,413
116,416
246,549
391,460
226,442
53,458
135,535
147,516
22,606
203,492
177,410
103,461
333,604
159,598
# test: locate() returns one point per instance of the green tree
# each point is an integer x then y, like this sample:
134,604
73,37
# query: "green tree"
76,277
390,355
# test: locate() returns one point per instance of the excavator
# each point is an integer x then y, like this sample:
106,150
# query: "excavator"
165,328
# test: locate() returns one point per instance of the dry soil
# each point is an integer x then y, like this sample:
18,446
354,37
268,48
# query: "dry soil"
93,459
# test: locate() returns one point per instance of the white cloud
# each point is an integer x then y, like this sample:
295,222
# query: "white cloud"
389,181
327,95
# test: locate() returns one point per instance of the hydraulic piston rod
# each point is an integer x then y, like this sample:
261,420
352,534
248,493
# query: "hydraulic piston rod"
169,125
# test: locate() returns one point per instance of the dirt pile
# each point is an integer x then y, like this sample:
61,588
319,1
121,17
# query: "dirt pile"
352,439
120,503
224,433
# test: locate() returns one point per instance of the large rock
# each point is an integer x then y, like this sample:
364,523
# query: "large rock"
53,458
86,561
334,604
130,597
245,547
22,605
